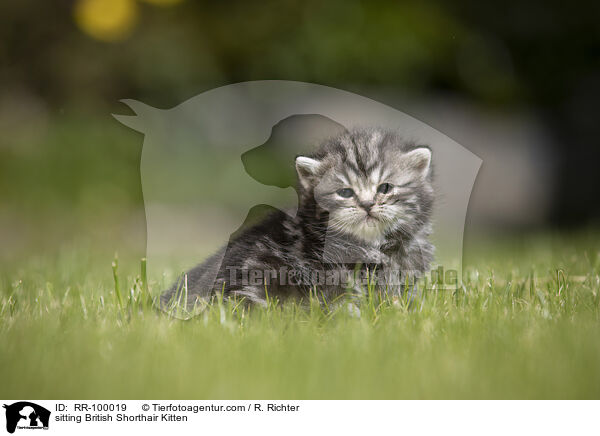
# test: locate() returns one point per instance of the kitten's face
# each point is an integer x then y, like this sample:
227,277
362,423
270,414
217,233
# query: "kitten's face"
370,185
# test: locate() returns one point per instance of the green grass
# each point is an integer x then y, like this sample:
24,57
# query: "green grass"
526,325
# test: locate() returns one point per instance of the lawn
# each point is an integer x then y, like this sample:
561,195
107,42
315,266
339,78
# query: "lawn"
525,325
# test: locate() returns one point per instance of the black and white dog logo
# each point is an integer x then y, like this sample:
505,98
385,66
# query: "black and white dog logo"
26,415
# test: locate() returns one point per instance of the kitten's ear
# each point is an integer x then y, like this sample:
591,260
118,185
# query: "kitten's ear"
306,167
420,160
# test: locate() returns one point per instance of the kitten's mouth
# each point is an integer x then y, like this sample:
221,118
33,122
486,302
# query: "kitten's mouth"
367,227
371,222
370,218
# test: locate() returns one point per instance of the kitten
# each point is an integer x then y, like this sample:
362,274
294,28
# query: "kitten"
365,203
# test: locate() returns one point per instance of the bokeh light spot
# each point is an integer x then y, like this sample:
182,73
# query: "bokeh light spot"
106,20
163,2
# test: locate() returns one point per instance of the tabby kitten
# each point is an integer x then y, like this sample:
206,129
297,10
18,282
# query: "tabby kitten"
365,203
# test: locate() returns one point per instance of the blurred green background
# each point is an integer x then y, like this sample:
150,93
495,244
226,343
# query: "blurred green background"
70,173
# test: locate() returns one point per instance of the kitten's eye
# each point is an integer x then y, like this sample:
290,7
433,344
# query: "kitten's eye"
345,192
384,188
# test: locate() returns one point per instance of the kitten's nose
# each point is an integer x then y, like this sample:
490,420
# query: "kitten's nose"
367,205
